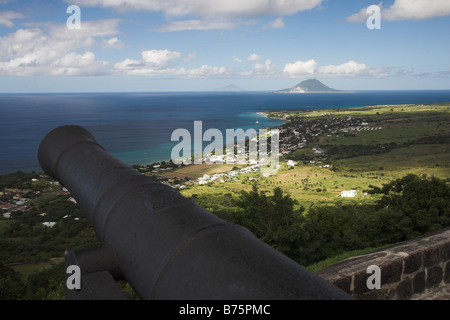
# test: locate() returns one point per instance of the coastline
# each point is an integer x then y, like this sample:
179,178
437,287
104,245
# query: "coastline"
21,145
265,115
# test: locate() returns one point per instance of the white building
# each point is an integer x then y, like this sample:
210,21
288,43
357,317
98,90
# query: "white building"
292,163
349,193
49,224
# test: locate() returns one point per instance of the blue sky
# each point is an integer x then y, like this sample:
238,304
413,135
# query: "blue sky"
203,45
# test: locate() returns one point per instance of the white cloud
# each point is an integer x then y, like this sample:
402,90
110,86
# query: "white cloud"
254,57
275,24
73,64
163,62
417,9
236,59
202,72
113,43
208,14
361,16
267,69
57,50
300,68
7,17
158,59
408,10
205,8
153,62
345,69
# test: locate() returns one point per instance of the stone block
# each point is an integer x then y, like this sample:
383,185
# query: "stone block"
360,282
404,289
447,272
371,295
434,276
419,282
445,248
343,283
391,271
413,262
431,256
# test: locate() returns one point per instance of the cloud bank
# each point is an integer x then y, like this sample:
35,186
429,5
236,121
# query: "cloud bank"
58,51
205,8
408,10
209,14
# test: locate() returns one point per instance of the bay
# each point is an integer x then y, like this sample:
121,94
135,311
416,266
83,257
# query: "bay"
137,127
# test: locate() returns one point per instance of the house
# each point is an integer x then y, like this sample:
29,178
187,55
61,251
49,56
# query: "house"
318,151
349,193
49,224
292,163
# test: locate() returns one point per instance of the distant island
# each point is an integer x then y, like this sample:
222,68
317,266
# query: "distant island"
311,86
231,88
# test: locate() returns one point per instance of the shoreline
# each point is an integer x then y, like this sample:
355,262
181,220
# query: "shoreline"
265,114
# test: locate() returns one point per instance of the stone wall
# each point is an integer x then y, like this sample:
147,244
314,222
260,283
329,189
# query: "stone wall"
407,269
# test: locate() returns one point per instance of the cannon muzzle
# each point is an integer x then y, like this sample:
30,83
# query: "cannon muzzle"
165,245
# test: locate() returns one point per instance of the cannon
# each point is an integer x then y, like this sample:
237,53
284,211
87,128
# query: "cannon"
163,244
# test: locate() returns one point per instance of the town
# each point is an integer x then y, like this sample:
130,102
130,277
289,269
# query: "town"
296,133
22,198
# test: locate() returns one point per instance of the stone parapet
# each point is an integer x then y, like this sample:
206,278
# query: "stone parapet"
408,269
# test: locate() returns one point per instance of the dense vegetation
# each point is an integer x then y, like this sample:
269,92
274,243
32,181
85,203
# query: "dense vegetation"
25,239
48,284
410,207
38,251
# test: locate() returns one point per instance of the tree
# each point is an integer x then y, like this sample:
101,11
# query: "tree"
11,284
273,219
424,204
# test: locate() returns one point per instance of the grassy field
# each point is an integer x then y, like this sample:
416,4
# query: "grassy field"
398,111
403,125
304,181
27,269
429,159
197,171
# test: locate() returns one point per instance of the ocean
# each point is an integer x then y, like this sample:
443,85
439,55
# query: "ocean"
137,127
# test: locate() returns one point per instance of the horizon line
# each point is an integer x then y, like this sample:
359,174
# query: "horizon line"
215,91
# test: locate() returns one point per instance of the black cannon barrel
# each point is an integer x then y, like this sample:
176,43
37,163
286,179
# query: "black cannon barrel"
167,246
